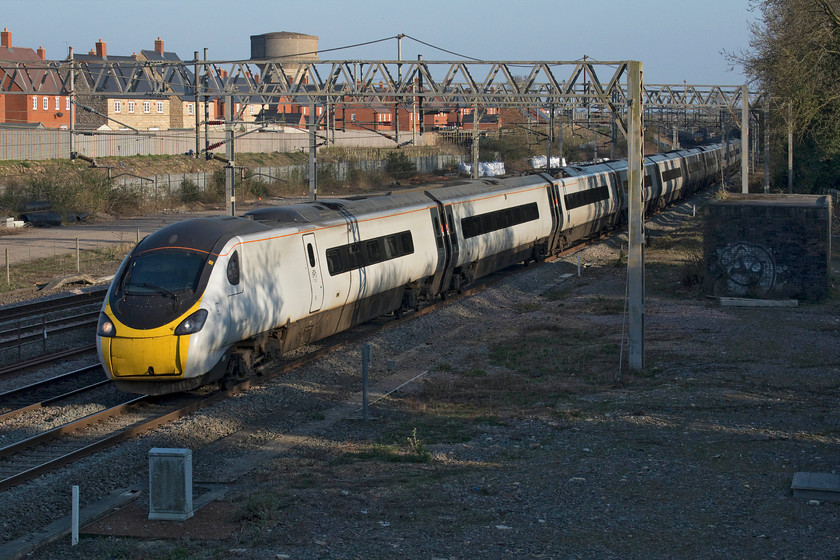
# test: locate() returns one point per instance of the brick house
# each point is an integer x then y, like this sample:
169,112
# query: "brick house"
50,107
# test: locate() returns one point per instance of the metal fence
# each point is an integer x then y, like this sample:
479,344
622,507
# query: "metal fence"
171,183
55,144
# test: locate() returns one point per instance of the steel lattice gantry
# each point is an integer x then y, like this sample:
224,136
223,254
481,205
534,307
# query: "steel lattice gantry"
483,83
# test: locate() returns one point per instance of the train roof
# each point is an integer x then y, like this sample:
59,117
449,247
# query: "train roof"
202,234
476,187
326,210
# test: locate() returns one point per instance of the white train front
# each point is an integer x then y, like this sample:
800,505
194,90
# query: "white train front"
212,299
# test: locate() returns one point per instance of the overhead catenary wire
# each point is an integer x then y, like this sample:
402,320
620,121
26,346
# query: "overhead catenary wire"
363,44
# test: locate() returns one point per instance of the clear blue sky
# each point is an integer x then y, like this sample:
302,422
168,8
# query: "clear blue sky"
676,40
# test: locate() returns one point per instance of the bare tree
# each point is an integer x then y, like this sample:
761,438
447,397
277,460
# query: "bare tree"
794,56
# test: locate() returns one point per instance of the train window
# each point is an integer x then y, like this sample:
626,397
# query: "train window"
233,268
334,262
391,247
407,243
671,174
353,256
474,226
311,254
586,197
374,254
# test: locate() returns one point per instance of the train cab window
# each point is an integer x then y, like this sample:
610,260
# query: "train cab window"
233,268
311,254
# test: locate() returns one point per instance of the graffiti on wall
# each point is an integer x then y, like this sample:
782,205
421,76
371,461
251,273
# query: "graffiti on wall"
747,269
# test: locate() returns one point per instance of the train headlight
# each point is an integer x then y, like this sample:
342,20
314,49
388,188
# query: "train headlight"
105,327
192,324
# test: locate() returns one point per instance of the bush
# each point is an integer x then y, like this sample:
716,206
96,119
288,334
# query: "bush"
399,166
77,193
189,191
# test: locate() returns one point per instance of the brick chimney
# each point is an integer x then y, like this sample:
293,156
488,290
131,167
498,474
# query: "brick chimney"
159,45
101,49
6,38
42,54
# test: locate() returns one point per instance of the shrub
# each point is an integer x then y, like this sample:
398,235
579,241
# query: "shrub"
399,166
189,191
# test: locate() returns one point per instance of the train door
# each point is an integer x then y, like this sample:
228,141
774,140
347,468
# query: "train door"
451,243
554,239
313,266
447,244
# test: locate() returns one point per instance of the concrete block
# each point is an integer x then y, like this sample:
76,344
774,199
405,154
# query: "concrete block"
170,484
816,486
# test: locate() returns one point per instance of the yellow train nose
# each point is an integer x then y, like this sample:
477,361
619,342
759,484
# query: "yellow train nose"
136,357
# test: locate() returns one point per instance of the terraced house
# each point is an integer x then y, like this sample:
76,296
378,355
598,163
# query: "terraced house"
126,99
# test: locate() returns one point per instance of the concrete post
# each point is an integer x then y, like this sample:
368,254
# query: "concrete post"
230,192
745,139
313,155
635,253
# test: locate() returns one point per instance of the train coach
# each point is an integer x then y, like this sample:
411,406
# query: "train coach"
214,299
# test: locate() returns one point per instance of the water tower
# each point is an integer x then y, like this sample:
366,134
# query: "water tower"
281,47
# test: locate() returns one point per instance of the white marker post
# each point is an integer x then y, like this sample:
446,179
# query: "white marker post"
74,518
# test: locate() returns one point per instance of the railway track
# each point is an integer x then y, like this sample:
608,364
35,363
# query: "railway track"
35,333
43,359
28,309
50,391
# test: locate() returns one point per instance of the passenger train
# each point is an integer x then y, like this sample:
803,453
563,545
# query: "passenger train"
213,299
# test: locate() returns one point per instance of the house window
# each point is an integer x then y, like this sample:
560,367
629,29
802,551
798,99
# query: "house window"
160,106
252,109
67,104
236,108
46,103
131,106
35,103
190,109
352,117
117,106
58,104
147,106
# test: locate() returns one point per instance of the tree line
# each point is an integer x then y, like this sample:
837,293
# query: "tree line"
794,58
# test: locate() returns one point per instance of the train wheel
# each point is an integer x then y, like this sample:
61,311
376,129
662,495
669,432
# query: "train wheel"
563,243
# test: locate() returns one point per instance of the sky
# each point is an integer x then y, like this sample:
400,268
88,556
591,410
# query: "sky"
676,40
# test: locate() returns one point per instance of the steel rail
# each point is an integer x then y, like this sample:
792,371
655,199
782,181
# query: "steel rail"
9,313
52,390
35,332
44,359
